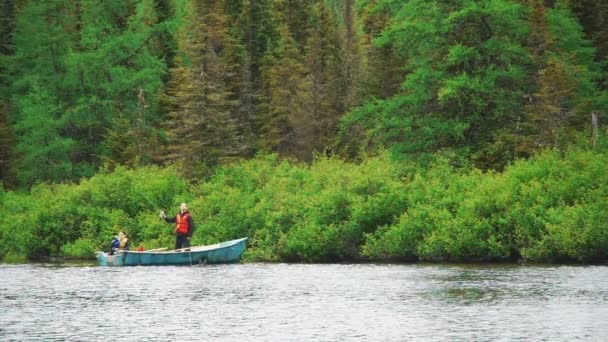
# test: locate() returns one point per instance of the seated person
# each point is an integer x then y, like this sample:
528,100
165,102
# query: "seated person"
120,243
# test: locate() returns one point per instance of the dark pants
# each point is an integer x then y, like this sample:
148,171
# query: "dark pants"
181,241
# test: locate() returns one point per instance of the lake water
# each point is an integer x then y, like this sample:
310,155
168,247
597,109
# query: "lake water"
296,302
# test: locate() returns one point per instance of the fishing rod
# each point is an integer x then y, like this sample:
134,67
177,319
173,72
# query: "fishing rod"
162,214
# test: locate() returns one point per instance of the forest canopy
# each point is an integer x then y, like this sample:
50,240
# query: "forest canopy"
204,82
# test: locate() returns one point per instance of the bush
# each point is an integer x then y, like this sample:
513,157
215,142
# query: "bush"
548,208
75,220
81,248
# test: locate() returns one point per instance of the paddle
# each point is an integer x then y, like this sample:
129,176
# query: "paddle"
157,249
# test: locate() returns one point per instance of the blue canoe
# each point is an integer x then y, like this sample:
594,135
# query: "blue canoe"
220,253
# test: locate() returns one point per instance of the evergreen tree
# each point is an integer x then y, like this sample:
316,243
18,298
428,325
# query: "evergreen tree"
7,24
85,82
311,76
7,142
258,33
465,66
351,55
44,152
242,98
95,80
91,60
384,68
287,122
43,36
551,109
201,129
166,45
325,63
252,32
245,43
135,118
593,17
566,93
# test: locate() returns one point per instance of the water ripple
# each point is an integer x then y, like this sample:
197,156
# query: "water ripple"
293,302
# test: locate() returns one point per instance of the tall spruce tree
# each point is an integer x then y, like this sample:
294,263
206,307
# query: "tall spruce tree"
287,114
251,34
200,128
565,77
352,61
325,62
7,142
384,68
138,54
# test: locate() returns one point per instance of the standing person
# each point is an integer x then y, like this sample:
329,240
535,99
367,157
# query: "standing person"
184,226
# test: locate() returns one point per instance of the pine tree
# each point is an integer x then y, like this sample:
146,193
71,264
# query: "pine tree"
166,45
351,55
44,153
551,109
287,122
7,25
384,68
7,143
514,140
566,93
317,62
242,96
325,63
252,33
200,128
258,34
136,122
593,17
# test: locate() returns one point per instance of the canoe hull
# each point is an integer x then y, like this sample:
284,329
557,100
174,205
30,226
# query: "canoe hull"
224,252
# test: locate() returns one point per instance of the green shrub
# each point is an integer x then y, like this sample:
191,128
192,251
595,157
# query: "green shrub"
548,208
81,248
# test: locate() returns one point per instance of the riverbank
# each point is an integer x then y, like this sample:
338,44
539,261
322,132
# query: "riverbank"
551,208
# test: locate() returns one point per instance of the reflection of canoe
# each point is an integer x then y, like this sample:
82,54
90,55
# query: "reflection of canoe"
223,252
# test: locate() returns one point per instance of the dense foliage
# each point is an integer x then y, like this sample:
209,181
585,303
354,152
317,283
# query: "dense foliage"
491,80
549,208
387,129
204,82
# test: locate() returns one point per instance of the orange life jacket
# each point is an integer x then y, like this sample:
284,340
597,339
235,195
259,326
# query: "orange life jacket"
182,224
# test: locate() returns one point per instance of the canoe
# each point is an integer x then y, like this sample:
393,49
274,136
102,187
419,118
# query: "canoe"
220,253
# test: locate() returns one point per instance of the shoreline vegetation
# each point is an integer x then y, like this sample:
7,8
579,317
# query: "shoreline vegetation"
322,130
548,209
